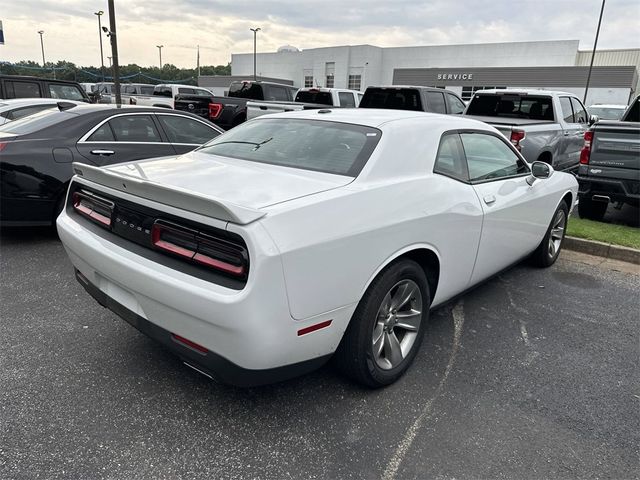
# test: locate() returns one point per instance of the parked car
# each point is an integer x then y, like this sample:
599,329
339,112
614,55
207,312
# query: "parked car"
36,152
227,112
609,169
607,112
18,108
19,86
135,90
421,99
300,235
165,94
546,126
306,99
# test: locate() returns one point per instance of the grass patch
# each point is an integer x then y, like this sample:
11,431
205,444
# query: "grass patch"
604,232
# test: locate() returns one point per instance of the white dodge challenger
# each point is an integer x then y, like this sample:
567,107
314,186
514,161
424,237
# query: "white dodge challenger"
301,236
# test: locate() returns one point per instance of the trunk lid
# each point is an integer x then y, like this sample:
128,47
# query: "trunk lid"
616,145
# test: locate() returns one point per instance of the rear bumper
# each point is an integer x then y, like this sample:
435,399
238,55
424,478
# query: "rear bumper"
249,333
209,363
616,190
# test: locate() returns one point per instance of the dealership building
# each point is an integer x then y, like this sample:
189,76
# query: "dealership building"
551,65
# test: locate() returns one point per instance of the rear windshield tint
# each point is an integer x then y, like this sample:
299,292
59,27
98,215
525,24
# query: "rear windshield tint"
252,91
35,122
392,98
322,98
322,146
512,106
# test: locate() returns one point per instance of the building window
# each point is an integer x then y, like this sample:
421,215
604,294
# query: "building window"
467,92
330,71
354,82
308,80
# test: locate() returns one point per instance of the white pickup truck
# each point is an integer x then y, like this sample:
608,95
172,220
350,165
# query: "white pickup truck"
165,94
306,98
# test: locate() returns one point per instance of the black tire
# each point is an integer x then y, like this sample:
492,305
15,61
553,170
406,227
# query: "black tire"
546,255
591,210
355,355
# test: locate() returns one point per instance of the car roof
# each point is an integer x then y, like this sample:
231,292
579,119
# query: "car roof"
38,79
376,118
19,102
84,108
608,105
522,91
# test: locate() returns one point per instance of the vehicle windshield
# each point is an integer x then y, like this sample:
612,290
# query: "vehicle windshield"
606,113
512,106
250,90
35,122
322,146
392,98
314,96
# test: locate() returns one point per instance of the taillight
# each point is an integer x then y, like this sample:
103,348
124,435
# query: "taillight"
98,210
585,153
516,137
2,145
200,248
214,110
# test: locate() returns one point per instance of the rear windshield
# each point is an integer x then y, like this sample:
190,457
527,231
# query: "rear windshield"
392,98
35,122
633,115
512,106
252,91
322,146
322,98
606,113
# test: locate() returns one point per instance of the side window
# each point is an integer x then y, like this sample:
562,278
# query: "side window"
65,92
26,111
489,157
134,128
186,130
435,101
346,99
580,113
450,160
455,105
17,89
102,134
202,92
278,94
567,112
189,91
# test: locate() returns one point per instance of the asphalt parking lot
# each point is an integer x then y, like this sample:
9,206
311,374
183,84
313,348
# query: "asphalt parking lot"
531,375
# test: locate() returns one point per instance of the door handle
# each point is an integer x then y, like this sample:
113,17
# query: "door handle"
489,199
102,152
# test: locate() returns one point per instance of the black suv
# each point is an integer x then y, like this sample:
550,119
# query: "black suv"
18,86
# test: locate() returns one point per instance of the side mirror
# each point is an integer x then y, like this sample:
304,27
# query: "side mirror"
593,119
539,171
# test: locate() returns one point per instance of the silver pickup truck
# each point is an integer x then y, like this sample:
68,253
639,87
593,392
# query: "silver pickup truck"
610,164
544,125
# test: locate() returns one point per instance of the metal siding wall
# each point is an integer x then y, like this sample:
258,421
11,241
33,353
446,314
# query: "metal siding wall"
544,77
610,58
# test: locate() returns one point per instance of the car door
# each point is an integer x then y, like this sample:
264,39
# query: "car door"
186,133
124,138
516,214
572,134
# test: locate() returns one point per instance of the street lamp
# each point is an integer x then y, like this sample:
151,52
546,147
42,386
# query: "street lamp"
99,14
255,31
160,53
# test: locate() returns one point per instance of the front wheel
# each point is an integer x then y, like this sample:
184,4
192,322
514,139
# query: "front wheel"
387,327
549,249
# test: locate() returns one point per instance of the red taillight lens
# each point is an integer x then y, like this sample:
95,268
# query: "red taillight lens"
200,248
95,209
189,343
585,153
2,145
516,137
214,110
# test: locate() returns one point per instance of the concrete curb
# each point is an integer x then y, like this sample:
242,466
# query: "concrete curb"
601,249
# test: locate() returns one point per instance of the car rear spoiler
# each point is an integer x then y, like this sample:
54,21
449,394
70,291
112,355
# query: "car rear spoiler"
172,196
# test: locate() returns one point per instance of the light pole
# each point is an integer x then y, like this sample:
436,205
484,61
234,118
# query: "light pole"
160,53
593,54
41,32
255,31
99,14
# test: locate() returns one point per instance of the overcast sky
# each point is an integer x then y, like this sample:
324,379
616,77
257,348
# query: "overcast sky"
222,27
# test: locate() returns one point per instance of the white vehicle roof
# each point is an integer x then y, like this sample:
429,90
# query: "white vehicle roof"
12,103
524,91
180,85
607,105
